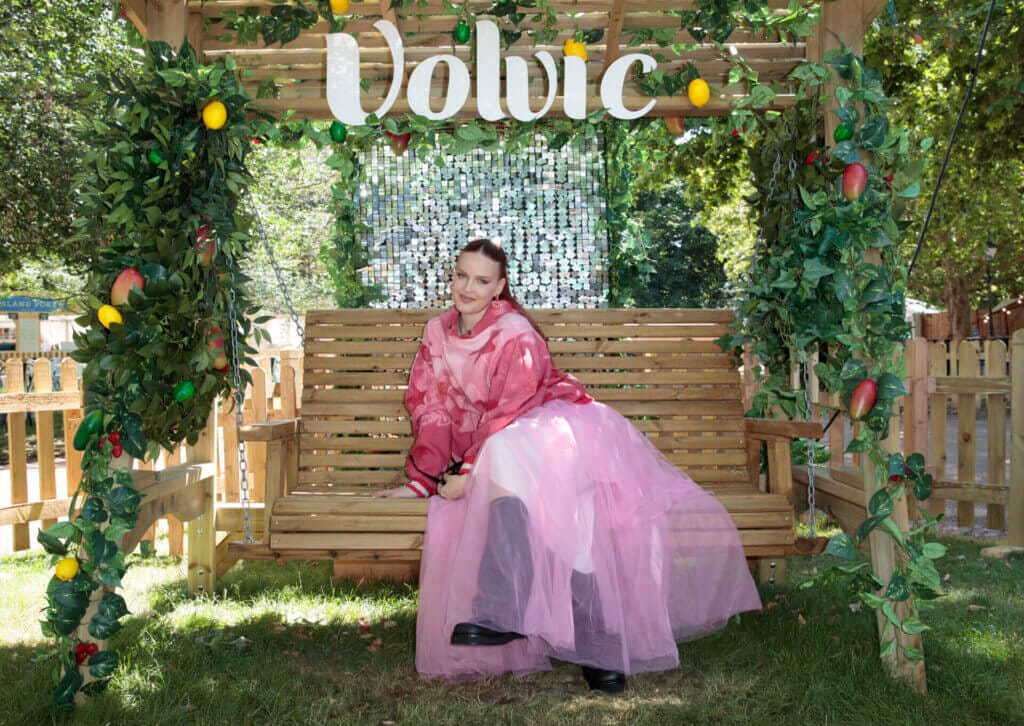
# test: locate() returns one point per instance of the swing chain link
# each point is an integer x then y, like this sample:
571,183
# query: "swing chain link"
300,329
759,242
239,399
809,415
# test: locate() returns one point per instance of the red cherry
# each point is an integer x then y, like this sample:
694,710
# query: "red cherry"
103,440
812,157
203,233
116,451
255,141
896,477
735,133
114,437
84,650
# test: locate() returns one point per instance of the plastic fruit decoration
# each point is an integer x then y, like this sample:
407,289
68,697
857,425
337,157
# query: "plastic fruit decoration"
183,391
125,281
842,133
66,569
339,7
698,92
89,427
215,342
338,132
399,142
84,651
574,47
205,246
675,125
155,158
855,180
215,115
461,32
109,315
863,399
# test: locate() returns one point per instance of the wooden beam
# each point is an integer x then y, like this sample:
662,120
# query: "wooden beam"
167,20
388,13
1015,523
614,33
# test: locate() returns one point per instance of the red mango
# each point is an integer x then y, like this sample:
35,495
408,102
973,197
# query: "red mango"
855,180
863,399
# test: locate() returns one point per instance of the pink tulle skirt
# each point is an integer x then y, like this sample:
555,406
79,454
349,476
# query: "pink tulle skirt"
576,532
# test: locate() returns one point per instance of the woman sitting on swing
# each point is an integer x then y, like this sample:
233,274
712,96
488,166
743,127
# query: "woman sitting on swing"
560,531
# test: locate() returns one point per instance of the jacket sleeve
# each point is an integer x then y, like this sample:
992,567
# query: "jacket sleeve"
518,383
431,423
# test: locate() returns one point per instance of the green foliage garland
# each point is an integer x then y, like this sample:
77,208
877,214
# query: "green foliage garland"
828,278
164,185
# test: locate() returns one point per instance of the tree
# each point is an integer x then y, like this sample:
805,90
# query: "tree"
926,51
687,272
51,51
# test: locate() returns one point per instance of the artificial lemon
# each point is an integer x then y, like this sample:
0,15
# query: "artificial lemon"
338,7
66,569
215,115
574,47
109,315
698,92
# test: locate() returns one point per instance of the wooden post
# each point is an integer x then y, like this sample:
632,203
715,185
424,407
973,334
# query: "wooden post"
966,418
1015,525
167,20
936,458
202,538
73,458
43,383
289,406
15,370
256,451
995,405
884,561
229,430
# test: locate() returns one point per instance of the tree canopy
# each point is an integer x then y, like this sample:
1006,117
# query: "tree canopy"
51,52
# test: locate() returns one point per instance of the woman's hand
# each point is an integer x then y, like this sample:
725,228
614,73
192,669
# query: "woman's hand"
453,486
401,492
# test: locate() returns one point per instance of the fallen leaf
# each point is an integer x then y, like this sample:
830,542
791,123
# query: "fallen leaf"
947,577
801,619
241,643
390,623
375,645
364,625
976,608
856,606
771,605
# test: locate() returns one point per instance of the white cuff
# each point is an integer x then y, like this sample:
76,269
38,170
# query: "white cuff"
421,491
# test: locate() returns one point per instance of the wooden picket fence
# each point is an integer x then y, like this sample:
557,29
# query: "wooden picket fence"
30,504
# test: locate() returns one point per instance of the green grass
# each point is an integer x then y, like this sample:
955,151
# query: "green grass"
283,645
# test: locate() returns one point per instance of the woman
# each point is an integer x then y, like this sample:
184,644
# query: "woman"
561,532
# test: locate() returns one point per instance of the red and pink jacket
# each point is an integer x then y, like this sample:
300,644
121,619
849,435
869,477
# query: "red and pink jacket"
463,388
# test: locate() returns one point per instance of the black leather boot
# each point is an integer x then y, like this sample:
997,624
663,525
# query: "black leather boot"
504,580
604,681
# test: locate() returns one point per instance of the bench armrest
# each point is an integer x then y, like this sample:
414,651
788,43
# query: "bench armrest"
764,429
269,430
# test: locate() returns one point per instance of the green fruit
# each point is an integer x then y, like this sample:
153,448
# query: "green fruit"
461,32
842,133
154,157
338,132
184,391
91,425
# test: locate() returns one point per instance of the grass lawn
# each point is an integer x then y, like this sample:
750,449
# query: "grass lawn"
283,645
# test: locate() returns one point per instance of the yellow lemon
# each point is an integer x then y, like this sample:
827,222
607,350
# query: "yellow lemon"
698,92
574,47
109,315
66,569
215,115
339,7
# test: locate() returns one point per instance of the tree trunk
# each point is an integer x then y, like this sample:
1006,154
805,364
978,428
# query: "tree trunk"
958,305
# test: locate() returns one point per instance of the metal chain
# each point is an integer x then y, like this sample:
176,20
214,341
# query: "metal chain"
809,413
759,241
239,396
277,272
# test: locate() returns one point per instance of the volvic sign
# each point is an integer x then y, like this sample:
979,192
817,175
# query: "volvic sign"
343,80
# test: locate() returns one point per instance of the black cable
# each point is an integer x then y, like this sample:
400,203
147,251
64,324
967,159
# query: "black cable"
952,138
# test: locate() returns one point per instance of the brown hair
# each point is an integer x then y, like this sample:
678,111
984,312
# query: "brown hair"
494,252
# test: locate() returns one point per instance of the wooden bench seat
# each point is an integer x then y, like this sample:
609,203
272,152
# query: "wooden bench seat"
660,368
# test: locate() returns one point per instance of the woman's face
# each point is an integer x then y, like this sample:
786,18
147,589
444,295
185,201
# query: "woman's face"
475,283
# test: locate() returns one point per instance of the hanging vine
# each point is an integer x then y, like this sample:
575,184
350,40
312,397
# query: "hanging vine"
828,279
163,195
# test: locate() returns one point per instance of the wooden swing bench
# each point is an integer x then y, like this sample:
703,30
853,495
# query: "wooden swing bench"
659,367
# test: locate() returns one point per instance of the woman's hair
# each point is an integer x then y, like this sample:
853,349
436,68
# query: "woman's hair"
494,252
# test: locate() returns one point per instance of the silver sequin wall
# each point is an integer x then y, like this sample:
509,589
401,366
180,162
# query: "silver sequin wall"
542,205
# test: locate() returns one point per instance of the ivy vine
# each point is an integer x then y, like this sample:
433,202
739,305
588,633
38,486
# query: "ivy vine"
827,278
162,200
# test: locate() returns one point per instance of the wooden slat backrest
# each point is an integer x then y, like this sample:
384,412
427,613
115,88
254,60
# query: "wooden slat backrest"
661,368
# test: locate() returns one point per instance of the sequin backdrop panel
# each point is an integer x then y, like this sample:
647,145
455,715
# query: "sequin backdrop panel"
542,204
